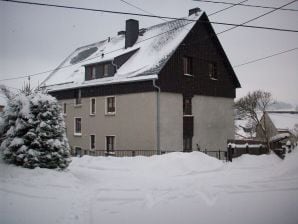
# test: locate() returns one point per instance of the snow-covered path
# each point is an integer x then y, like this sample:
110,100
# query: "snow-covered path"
174,188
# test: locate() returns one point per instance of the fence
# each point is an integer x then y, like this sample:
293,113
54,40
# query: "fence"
120,153
219,154
237,148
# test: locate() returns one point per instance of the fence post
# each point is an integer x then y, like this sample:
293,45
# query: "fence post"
219,154
230,153
247,150
206,151
133,153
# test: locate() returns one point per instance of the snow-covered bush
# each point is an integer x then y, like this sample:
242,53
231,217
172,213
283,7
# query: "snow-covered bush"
34,132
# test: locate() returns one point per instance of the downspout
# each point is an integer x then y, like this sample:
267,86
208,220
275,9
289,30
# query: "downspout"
158,151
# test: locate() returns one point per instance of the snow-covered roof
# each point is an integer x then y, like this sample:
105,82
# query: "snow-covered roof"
285,120
153,48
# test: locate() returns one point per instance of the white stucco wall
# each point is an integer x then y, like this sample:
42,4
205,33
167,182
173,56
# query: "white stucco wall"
213,122
171,122
134,123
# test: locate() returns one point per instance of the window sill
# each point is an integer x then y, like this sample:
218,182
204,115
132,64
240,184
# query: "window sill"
92,115
189,75
214,79
77,105
77,134
110,114
187,115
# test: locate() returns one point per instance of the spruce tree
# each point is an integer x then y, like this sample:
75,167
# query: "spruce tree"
36,134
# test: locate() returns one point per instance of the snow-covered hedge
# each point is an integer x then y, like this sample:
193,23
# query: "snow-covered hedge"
33,132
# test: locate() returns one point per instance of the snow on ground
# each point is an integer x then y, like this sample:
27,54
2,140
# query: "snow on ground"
173,188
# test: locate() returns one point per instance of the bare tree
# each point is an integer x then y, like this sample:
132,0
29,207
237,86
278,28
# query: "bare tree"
253,106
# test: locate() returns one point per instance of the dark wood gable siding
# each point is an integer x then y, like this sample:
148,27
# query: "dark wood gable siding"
202,46
105,90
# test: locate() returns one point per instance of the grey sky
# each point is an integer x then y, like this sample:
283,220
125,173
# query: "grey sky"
35,39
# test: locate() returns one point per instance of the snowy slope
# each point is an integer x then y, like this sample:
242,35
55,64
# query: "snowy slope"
173,188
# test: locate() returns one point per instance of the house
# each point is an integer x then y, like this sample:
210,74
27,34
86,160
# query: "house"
168,87
282,128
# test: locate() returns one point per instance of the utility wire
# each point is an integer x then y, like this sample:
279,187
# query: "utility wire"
146,15
45,72
269,56
247,5
253,19
221,10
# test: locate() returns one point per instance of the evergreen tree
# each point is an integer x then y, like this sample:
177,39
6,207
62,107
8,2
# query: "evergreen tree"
36,134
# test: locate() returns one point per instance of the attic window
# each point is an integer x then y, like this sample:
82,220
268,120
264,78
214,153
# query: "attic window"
187,65
212,70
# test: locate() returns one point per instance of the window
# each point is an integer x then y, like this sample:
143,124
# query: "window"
78,99
64,108
105,70
187,65
92,106
110,105
187,144
78,151
212,70
187,107
78,126
93,72
92,142
110,143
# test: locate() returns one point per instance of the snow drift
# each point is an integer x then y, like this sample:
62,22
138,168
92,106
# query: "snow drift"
173,188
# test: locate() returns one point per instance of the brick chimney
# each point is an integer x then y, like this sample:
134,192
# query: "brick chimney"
194,11
131,33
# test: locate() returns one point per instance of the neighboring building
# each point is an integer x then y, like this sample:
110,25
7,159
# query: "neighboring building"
169,87
282,128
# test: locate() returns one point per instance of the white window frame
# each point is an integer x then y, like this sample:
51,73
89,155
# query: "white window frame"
80,97
91,112
106,149
74,129
106,105
90,145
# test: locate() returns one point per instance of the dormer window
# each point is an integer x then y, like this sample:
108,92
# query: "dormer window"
93,73
105,70
99,70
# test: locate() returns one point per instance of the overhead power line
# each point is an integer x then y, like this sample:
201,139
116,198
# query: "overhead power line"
258,17
263,58
224,9
247,5
51,70
147,15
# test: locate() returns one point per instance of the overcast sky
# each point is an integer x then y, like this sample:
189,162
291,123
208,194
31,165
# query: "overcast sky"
34,39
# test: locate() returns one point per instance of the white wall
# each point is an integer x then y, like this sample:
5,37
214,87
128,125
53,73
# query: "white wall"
171,122
213,122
